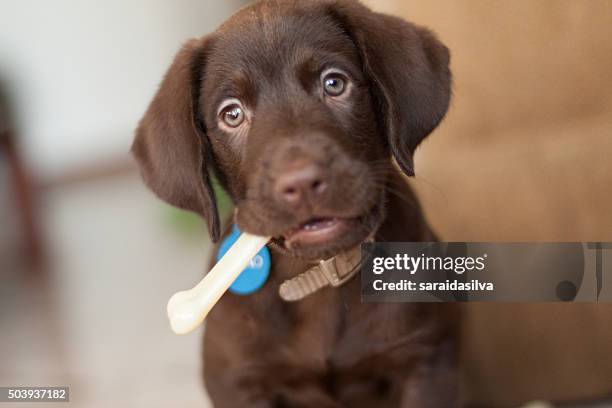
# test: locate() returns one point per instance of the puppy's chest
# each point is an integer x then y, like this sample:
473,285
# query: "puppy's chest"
328,331
333,330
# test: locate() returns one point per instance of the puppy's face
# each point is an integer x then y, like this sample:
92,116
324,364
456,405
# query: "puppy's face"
294,133
297,107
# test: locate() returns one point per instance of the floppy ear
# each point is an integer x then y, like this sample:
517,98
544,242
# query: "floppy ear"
408,68
171,146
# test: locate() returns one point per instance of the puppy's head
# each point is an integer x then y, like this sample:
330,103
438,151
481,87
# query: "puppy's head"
297,108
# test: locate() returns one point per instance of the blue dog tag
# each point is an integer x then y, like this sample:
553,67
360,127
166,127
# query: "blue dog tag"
255,275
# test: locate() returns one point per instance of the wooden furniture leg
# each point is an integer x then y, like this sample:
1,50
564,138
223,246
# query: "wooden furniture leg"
24,201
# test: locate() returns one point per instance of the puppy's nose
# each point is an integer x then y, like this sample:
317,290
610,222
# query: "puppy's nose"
300,185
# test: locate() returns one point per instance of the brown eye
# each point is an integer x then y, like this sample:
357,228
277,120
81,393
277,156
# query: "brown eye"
233,116
334,84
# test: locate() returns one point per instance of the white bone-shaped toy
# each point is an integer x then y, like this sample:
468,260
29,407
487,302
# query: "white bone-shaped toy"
188,309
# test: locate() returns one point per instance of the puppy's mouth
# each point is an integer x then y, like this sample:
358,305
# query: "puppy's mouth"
318,231
317,234
323,236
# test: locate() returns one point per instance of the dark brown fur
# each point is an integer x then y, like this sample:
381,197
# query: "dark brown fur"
328,350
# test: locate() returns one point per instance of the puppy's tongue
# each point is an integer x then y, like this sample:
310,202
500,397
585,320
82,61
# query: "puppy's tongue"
319,224
316,230
315,224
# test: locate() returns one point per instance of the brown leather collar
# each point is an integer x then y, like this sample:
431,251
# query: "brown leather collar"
333,272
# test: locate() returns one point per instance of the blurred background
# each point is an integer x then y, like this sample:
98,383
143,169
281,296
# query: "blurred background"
88,257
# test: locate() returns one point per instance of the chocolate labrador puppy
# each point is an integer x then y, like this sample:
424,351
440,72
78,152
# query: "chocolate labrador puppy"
298,109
